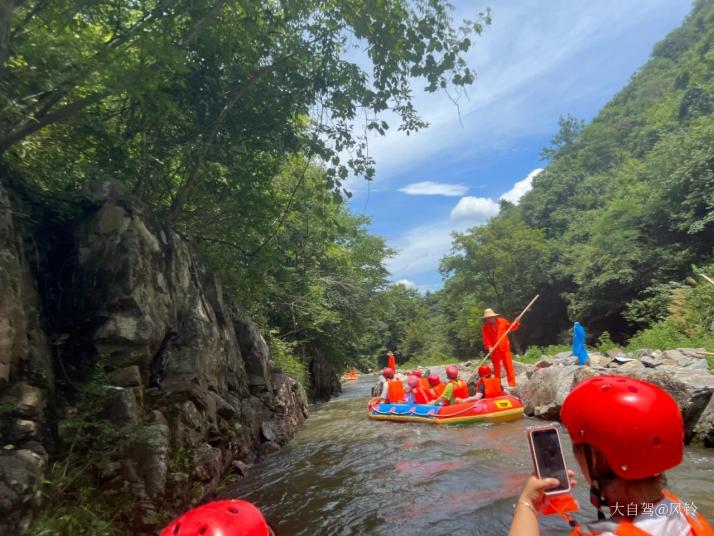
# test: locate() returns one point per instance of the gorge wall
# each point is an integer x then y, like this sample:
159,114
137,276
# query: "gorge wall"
115,339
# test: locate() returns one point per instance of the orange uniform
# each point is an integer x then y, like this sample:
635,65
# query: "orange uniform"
502,353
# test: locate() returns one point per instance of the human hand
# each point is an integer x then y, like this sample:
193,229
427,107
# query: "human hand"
535,488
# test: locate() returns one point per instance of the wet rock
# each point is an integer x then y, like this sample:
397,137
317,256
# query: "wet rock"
325,381
208,464
126,377
121,406
150,453
22,430
21,472
545,392
614,353
27,401
703,431
241,468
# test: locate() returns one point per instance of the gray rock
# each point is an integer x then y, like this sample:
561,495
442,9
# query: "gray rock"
121,406
632,365
649,361
545,392
150,453
126,377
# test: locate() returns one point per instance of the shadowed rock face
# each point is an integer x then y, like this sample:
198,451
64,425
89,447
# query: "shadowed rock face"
181,370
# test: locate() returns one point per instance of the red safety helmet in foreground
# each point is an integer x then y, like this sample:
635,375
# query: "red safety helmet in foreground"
484,370
636,425
452,372
388,373
220,518
412,381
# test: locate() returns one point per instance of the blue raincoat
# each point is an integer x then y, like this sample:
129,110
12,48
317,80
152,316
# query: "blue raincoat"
579,350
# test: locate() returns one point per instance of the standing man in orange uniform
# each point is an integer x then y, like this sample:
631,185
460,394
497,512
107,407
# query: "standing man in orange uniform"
492,329
391,361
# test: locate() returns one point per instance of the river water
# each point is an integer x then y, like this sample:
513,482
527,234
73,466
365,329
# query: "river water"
344,474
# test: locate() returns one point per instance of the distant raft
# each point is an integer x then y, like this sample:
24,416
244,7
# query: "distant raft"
350,376
488,410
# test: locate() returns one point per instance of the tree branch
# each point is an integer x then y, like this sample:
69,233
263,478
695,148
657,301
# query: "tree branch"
188,183
36,124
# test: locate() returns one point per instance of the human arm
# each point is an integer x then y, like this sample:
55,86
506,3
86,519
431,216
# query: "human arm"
525,516
385,393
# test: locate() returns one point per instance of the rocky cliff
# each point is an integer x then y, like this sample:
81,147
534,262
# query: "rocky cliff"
115,339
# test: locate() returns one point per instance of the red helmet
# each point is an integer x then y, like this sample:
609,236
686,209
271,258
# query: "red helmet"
412,380
434,380
484,370
418,373
220,518
636,425
452,372
388,372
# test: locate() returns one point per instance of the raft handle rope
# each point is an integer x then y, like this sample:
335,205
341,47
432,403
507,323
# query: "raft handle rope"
392,411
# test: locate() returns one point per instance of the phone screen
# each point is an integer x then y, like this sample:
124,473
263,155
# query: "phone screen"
549,457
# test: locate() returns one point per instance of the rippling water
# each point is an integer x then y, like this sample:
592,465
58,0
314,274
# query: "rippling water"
344,474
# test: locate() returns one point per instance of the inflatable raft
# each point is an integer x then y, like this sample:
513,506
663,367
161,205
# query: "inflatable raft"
490,410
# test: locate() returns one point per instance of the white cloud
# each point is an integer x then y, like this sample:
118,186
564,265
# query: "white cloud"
406,283
421,248
562,61
434,188
474,209
521,188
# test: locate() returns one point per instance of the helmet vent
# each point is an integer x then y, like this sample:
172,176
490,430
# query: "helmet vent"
177,528
233,510
632,389
656,441
203,530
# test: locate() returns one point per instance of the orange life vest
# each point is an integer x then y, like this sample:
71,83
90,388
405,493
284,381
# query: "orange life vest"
699,525
420,395
395,391
424,384
461,390
491,387
436,391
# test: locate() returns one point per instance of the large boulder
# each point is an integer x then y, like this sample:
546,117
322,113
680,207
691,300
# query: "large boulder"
544,393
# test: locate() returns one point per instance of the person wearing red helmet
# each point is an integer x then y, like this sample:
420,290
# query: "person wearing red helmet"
415,392
492,330
455,387
436,387
220,518
392,388
487,386
626,433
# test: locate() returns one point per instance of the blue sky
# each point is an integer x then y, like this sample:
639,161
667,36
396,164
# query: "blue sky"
539,59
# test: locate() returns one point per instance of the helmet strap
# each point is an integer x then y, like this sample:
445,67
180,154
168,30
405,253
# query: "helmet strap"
596,498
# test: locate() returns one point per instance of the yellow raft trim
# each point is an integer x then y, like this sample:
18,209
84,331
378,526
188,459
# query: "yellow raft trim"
500,416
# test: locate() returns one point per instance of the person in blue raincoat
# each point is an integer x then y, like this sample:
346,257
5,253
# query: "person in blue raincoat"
579,349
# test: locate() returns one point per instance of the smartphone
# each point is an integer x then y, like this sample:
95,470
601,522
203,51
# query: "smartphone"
548,460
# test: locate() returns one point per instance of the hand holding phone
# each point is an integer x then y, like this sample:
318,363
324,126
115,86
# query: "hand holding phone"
548,459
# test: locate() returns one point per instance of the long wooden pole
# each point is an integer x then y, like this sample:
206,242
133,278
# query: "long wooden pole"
705,276
515,321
